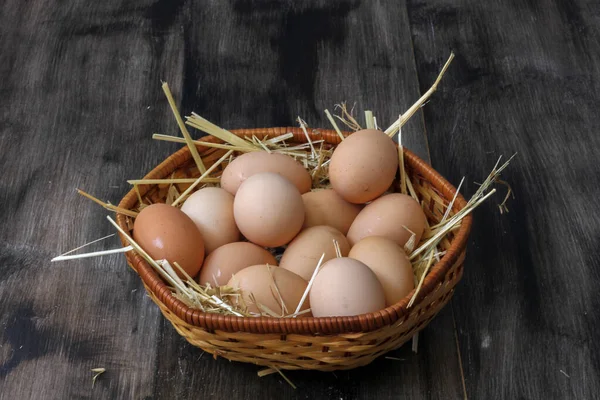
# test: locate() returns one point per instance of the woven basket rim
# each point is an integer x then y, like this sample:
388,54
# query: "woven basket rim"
306,325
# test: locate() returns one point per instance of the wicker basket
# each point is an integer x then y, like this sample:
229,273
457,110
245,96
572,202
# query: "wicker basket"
324,344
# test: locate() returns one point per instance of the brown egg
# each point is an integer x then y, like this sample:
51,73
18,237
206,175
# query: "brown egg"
211,209
303,253
248,164
264,282
345,287
326,207
387,216
165,232
363,166
390,264
227,260
268,210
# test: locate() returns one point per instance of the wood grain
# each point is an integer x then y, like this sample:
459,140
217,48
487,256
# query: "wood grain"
524,81
81,97
266,63
277,63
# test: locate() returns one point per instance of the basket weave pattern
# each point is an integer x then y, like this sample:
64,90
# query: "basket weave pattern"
325,344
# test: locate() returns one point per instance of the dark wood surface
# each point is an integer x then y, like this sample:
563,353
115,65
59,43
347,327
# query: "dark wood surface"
81,97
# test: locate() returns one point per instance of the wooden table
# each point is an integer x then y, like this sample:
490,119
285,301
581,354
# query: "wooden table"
81,97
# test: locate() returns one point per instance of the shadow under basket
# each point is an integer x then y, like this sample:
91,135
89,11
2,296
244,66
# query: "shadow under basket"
324,344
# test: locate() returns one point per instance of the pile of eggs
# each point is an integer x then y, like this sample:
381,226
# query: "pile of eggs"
222,235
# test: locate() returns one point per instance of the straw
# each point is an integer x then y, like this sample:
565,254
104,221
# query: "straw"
93,254
184,131
334,124
201,178
393,129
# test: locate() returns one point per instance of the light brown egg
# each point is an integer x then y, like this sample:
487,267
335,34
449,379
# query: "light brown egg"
248,164
165,232
389,262
264,282
303,253
345,287
211,209
227,260
268,210
387,216
363,166
326,207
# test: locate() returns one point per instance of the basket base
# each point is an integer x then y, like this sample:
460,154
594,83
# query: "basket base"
318,352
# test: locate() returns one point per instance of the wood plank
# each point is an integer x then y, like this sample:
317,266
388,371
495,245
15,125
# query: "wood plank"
82,87
81,97
264,65
260,65
524,79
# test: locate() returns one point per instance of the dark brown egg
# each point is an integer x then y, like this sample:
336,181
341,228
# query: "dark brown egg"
165,232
